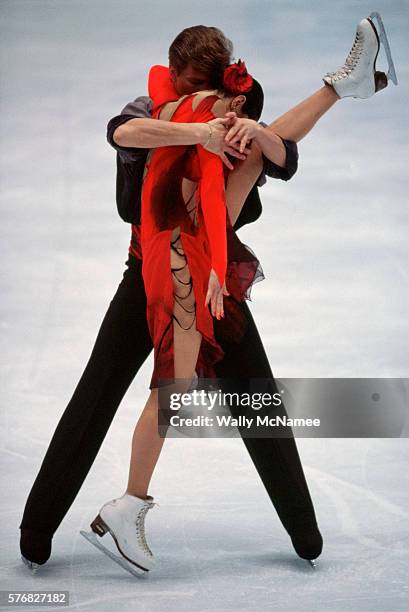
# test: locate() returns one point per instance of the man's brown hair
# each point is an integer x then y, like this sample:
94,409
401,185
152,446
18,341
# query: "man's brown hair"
205,48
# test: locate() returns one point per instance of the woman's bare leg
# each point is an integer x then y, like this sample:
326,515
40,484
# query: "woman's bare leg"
299,120
146,441
186,337
146,447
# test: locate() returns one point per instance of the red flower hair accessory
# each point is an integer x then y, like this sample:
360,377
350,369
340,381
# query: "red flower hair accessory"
236,79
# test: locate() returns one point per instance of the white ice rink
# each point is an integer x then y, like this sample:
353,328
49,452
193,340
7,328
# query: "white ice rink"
333,304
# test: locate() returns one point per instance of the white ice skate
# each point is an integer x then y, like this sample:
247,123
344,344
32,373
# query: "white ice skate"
358,77
123,519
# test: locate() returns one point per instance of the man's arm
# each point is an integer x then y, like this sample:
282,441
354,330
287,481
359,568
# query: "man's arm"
149,134
134,128
284,172
130,160
141,107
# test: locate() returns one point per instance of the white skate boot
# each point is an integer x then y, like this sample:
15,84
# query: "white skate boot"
358,77
123,519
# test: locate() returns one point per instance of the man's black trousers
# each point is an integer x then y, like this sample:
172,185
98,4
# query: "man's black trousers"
122,345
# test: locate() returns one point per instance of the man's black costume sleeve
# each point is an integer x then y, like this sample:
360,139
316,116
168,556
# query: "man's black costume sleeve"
130,162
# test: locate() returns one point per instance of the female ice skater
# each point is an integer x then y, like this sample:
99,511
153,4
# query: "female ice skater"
123,342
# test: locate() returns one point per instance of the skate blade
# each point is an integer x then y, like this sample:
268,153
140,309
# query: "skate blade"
30,564
384,40
312,563
91,537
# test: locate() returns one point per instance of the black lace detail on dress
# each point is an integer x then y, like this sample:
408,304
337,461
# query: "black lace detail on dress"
178,298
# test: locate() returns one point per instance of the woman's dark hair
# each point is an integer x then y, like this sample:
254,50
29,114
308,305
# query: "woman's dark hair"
254,101
205,48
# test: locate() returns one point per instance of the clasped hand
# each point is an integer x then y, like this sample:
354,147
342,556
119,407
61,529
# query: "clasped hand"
231,134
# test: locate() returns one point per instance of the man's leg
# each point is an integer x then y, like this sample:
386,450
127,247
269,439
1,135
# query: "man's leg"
122,345
276,459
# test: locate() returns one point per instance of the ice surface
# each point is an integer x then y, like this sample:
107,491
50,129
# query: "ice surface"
333,246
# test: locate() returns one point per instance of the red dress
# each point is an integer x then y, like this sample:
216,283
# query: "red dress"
184,209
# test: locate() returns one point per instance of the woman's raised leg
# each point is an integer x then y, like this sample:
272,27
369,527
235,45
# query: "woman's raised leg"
357,78
296,123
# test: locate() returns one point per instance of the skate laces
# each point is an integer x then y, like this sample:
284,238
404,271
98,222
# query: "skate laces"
140,526
352,59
